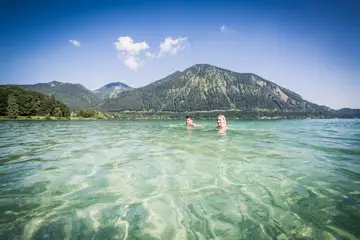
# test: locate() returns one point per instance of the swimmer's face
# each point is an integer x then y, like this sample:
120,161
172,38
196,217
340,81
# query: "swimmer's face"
220,121
189,121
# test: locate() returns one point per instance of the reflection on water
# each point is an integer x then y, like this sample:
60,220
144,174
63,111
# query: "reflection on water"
160,180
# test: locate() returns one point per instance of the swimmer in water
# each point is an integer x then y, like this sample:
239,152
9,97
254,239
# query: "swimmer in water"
221,123
189,122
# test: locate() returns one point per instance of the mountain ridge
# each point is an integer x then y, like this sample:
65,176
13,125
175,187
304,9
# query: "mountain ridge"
200,87
111,90
205,87
74,95
112,84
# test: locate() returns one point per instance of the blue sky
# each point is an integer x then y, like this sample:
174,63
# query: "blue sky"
310,47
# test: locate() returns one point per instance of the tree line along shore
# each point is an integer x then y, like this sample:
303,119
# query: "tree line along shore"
20,104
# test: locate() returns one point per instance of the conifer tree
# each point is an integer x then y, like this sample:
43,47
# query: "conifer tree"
13,107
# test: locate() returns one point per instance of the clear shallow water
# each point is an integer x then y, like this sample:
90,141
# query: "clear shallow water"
158,180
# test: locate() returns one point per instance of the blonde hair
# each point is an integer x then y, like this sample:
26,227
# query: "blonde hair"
222,117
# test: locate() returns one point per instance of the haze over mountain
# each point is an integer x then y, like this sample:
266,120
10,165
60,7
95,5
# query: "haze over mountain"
111,90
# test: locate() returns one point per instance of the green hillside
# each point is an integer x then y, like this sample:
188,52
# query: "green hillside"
205,87
15,101
75,96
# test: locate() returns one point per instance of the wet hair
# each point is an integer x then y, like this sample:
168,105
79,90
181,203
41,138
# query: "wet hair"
189,116
222,117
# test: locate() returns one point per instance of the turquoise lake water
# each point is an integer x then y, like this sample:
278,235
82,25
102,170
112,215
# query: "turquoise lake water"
288,179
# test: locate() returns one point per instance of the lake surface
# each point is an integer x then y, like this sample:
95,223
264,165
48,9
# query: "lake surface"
289,179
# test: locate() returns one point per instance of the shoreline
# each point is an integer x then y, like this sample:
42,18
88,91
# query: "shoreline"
44,118
53,118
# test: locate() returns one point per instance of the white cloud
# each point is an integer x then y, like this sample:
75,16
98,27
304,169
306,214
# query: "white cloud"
225,29
173,46
75,43
150,55
130,51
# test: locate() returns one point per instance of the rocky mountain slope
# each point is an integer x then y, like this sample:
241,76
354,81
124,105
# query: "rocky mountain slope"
75,96
111,90
204,87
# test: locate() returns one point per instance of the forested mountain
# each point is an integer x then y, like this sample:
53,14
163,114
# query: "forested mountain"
111,90
204,87
15,101
75,96
200,88
348,113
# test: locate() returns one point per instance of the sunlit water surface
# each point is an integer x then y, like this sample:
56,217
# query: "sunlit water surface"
157,180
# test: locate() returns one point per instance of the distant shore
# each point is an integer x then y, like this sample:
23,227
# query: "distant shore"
178,116
43,118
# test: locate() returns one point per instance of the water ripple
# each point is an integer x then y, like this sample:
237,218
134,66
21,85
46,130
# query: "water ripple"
158,180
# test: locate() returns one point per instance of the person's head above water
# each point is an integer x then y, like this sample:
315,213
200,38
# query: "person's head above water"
189,121
221,121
